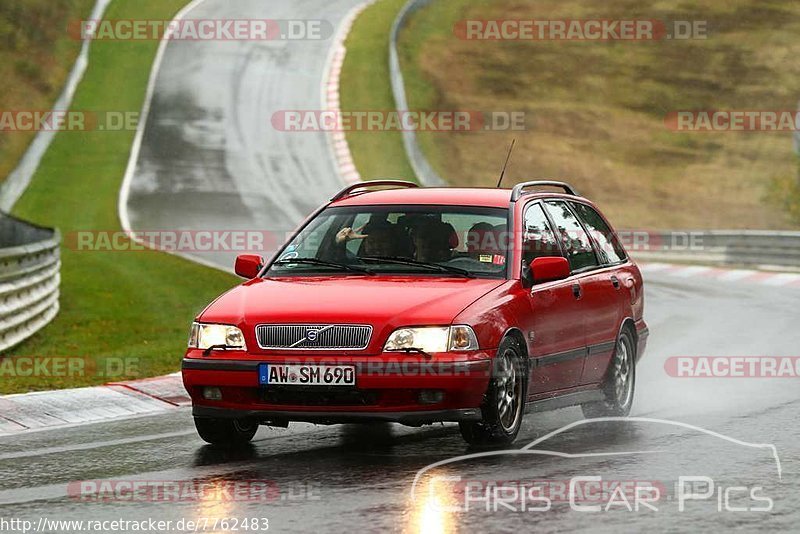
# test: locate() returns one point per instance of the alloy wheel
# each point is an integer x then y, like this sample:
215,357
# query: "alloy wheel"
508,391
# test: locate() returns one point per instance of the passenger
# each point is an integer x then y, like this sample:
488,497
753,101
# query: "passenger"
481,240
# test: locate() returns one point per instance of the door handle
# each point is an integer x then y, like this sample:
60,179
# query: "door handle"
630,283
577,291
615,282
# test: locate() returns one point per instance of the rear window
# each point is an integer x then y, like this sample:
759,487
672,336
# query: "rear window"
574,241
610,250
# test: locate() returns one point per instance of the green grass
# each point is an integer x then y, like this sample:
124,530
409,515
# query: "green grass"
365,86
596,110
113,304
36,55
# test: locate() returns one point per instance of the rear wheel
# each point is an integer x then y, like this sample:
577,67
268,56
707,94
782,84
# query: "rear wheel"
504,402
619,383
225,432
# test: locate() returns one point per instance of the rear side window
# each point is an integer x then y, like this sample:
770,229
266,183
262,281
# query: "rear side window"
610,249
574,240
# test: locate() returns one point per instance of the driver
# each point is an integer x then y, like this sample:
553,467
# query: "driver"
378,239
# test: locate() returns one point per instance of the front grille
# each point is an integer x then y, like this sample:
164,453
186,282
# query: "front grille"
313,336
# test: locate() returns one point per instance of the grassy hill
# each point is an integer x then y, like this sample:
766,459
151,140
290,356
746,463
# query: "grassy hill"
36,55
595,110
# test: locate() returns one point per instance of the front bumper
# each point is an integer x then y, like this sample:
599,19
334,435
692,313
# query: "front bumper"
329,418
389,387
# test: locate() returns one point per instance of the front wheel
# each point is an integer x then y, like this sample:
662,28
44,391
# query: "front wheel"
504,402
619,384
225,432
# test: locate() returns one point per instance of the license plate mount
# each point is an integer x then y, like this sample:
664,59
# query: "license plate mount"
279,374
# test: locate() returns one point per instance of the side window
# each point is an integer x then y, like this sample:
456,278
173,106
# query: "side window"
538,239
610,249
574,241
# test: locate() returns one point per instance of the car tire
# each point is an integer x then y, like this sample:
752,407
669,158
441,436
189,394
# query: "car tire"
620,382
225,432
504,402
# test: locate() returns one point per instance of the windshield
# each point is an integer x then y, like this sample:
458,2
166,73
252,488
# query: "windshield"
419,240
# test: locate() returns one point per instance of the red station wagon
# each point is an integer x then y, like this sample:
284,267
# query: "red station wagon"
422,305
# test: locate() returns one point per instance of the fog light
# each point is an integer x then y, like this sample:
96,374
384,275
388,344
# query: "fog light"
212,394
431,396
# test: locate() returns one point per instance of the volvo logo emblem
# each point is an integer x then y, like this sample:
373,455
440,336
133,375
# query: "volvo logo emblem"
311,335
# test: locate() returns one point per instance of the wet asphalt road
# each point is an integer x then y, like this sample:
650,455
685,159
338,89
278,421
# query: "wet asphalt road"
211,158
338,479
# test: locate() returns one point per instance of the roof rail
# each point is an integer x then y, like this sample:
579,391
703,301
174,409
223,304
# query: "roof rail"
518,190
347,191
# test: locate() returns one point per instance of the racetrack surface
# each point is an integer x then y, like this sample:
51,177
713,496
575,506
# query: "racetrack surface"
210,157
334,479
210,160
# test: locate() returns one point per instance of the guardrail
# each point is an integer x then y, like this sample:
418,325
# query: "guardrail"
419,163
30,263
746,248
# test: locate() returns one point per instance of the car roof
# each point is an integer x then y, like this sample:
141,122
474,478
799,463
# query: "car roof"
445,196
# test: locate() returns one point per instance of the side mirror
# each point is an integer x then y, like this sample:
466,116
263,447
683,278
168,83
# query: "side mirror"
549,269
248,265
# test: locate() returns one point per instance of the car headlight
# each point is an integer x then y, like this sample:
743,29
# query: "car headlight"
204,336
433,339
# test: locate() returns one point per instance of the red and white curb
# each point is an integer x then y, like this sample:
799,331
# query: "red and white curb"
767,278
331,101
67,407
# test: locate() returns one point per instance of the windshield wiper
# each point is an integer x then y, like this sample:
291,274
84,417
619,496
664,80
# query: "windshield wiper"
325,263
212,348
413,350
408,261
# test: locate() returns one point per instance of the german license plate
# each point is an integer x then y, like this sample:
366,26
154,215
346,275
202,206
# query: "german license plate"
273,374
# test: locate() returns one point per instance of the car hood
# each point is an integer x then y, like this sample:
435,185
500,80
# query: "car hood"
386,303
